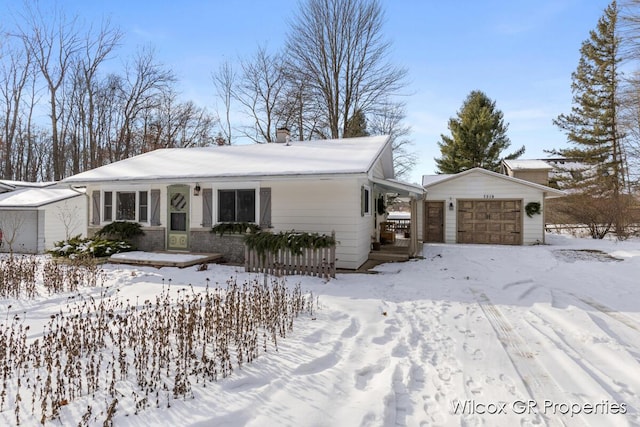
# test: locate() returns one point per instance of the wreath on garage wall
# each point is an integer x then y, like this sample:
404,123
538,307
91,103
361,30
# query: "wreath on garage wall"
532,208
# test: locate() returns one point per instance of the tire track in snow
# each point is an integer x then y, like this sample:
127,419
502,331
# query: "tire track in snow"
586,357
535,377
614,314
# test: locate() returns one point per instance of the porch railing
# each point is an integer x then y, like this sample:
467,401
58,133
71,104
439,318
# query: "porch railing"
402,225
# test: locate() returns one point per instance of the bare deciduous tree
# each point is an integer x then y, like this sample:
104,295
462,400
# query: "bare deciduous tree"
95,50
389,120
53,41
224,81
16,71
177,124
337,48
260,89
145,81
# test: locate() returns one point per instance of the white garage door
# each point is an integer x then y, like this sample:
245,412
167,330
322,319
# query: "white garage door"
22,228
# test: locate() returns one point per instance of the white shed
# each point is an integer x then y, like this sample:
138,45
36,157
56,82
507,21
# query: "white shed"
480,206
33,219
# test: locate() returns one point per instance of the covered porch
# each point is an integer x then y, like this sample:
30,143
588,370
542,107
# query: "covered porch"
395,238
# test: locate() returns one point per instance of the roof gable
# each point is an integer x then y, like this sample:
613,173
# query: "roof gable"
323,157
447,178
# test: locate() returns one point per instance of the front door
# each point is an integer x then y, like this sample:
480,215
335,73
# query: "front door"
434,222
178,229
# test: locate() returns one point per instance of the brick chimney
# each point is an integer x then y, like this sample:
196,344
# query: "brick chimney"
283,135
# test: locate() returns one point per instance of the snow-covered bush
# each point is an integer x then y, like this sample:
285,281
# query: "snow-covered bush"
89,247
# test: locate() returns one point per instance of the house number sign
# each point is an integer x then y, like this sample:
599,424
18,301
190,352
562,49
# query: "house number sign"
488,196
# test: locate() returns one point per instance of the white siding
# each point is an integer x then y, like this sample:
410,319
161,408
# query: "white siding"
318,206
324,206
25,225
383,167
479,186
61,220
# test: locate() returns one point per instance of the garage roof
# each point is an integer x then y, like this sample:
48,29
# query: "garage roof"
432,180
35,197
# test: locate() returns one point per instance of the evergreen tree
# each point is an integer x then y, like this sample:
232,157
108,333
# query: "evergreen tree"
478,137
356,125
592,125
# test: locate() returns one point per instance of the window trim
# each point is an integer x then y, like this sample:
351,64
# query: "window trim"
119,203
139,206
241,185
114,204
366,202
236,205
104,218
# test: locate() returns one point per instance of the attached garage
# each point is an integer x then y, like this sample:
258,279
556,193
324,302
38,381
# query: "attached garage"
33,219
482,207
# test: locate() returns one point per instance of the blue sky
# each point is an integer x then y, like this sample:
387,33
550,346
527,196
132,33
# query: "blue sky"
520,53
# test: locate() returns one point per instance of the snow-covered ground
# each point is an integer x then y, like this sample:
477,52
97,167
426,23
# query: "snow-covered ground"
470,335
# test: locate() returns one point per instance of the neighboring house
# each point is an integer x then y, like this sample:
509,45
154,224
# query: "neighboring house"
529,170
314,186
480,206
33,219
552,172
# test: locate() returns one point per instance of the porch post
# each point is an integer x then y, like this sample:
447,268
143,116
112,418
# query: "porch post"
413,236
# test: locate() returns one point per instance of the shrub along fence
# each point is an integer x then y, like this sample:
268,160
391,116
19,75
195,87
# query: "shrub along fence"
291,252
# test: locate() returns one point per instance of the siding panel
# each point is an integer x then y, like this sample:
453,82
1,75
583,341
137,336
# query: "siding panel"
64,219
323,207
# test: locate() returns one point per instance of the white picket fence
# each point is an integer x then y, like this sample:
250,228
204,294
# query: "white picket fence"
319,262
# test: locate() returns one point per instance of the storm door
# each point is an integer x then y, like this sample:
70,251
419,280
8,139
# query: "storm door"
178,227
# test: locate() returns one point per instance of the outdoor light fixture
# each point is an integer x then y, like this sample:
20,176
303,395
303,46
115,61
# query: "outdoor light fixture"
450,206
196,190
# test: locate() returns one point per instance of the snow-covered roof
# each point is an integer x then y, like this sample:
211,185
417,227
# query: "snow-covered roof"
322,157
35,197
399,215
25,184
432,179
550,191
522,164
399,186
563,165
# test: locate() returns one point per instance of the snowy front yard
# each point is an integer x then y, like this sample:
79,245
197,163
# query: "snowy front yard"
470,335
